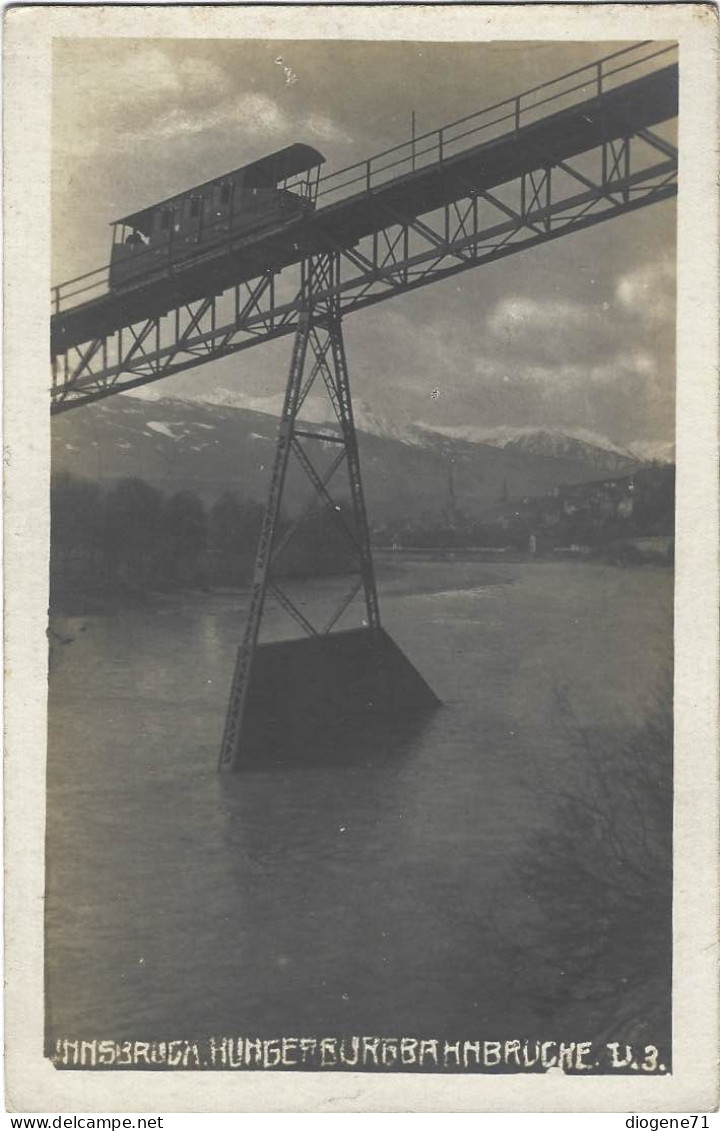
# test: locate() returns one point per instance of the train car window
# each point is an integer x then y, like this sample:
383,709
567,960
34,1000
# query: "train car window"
166,218
195,206
225,192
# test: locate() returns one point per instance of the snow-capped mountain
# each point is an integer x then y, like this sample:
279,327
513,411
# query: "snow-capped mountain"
577,445
210,447
368,420
654,451
316,409
585,446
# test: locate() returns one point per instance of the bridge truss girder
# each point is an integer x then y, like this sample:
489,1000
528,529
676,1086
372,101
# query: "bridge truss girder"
402,254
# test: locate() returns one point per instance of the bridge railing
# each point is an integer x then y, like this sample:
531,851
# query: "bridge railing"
81,289
507,116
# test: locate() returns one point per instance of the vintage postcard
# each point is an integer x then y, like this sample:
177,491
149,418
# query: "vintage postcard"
361,544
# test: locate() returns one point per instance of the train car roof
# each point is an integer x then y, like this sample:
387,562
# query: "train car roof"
266,172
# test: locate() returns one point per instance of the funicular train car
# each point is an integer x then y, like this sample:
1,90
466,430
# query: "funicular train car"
204,222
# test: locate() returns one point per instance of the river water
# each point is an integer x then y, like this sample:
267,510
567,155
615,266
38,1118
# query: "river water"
342,898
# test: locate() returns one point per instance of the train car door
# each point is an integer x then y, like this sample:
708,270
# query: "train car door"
192,220
164,230
222,206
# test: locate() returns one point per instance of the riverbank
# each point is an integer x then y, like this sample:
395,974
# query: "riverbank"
390,568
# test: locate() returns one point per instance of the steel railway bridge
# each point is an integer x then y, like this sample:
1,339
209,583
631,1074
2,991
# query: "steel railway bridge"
561,157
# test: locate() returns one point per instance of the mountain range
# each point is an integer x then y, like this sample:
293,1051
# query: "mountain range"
408,469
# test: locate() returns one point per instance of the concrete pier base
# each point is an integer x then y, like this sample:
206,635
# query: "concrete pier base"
314,700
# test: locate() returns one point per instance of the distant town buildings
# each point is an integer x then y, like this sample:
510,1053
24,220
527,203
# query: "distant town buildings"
621,515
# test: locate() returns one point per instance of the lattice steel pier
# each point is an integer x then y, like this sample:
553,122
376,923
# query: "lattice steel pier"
318,353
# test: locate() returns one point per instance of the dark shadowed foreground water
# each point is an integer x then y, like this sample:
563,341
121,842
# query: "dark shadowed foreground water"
350,897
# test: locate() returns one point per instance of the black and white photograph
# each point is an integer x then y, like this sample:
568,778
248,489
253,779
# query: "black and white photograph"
361,575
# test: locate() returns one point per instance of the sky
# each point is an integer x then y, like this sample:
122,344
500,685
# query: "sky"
577,335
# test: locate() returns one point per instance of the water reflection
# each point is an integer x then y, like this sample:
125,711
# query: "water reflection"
367,744
326,867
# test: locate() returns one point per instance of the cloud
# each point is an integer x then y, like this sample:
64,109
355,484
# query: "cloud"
149,97
253,114
322,127
549,333
145,75
649,291
520,315
259,113
567,343
131,94
562,378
